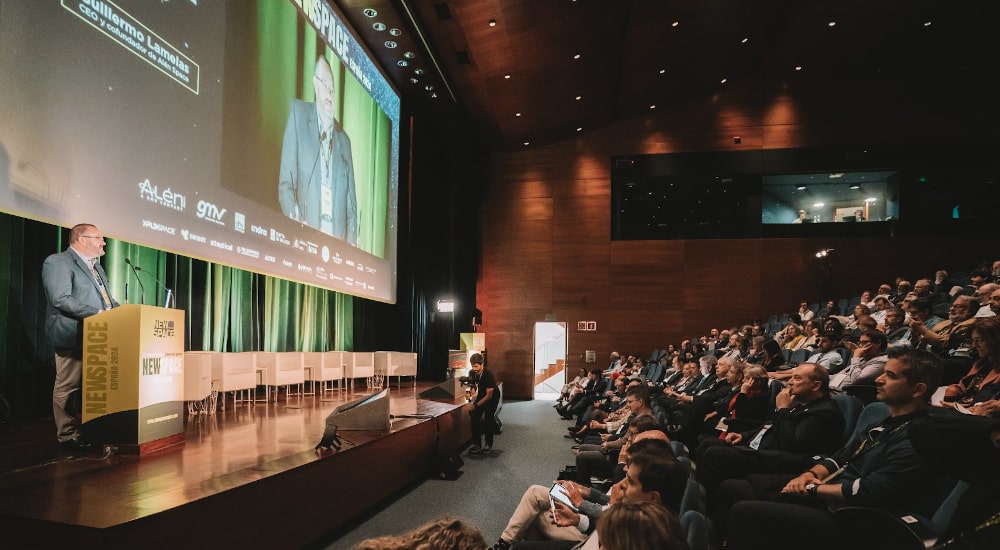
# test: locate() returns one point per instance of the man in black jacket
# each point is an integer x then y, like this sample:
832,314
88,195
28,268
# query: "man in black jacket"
805,422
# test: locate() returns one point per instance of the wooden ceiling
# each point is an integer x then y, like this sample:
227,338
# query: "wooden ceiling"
538,71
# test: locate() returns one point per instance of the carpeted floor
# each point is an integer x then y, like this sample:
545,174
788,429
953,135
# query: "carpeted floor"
530,450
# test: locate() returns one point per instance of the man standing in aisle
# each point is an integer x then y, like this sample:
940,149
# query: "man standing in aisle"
483,407
76,287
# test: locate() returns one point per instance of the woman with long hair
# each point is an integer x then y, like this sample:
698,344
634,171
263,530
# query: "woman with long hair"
981,386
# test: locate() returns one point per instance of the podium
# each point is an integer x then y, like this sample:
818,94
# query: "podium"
133,377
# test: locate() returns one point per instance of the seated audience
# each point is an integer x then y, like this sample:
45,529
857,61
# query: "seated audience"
572,387
879,470
806,422
652,473
805,313
772,359
750,401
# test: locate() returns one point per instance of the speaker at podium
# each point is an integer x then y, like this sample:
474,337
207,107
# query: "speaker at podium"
370,412
447,389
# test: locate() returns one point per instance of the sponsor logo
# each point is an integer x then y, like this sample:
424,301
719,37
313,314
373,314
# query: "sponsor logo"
221,245
163,329
279,237
248,252
258,230
168,198
287,263
209,212
269,258
325,253
147,224
240,222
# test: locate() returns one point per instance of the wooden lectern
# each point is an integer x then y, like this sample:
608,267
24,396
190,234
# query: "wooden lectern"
133,377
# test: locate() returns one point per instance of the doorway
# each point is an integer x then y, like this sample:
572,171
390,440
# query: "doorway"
550,359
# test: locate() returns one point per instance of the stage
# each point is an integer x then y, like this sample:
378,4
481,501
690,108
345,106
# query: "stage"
247,476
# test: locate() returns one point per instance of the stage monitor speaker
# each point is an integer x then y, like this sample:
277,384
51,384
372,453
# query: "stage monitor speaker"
448,388
367,413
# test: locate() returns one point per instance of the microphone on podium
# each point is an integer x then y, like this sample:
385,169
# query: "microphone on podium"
169,293
142,290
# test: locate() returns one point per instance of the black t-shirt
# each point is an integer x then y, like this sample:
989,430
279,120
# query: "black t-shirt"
483,382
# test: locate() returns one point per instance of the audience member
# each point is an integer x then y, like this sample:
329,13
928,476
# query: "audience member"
867,361
441,534
793,337
772,359
949,334
983,294
897,334
805,313
982,383
640,526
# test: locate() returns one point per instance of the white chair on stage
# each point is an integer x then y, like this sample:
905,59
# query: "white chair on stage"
284,368
361,364
331,369
198,392
236,373
407,366
398,364
385,363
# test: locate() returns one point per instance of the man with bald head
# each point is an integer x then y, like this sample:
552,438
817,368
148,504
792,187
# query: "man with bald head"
316,181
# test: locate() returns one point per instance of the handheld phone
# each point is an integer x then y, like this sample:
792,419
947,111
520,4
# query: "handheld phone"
558,492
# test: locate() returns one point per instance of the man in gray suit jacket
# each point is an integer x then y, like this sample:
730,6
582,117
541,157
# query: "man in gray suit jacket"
76,287
316,183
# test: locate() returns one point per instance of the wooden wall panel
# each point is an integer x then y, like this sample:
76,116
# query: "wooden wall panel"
547,248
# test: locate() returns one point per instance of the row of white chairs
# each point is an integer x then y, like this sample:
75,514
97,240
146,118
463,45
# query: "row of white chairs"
239,373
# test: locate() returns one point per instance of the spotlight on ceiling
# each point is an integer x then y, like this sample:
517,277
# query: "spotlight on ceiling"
801,187
445,306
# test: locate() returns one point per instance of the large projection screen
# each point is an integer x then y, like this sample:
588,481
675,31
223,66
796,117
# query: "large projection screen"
166,124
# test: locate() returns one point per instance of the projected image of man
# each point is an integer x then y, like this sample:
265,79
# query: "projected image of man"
316,183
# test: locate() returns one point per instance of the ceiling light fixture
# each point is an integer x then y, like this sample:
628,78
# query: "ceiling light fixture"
652,106
831,24
576,56
579,97
517,114
493,22
801,187
506,76
369,12
378,26
675,23
391,44
855,187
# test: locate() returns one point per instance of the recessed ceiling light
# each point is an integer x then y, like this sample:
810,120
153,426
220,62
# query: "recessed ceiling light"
928,23
663,71
580,129
576,56
798,67
723,81
493,22
855,187
517,114
579,97
391,44
871,199
745,40
414,80
395,32
831,24
379,26
369,12
434,94
402,63
836,175
652,106
429,88
409,55
818,205
418,72
675,23
507,76
526,143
